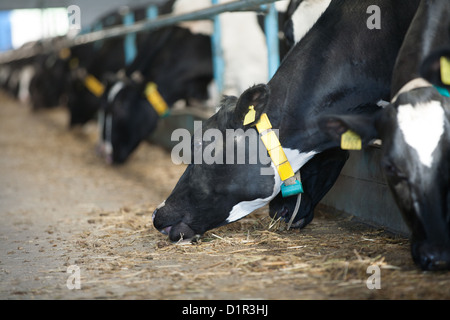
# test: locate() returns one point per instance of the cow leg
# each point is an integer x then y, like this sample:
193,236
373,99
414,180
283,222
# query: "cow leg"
318,176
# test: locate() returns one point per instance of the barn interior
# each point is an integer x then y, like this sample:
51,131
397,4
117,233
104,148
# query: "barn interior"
74,226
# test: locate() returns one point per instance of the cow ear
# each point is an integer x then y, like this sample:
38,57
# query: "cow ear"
255,97
436,68
364,125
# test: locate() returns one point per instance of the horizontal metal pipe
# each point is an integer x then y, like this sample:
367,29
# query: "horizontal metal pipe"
168,20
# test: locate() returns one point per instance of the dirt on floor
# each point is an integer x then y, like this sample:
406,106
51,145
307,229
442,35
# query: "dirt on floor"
74,228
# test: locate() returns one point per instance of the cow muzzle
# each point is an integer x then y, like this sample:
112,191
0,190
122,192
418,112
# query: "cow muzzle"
105,150
432,257
177,231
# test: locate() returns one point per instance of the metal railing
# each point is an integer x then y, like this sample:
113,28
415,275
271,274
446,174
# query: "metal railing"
211,12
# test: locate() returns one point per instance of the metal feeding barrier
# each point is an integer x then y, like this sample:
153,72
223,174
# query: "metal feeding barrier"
129,28
212,12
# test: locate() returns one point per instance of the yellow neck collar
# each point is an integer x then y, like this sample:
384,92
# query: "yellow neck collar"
291,186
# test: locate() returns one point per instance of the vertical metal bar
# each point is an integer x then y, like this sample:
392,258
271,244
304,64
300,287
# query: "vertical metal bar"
273,44
152,12
218,61
130,40
98,27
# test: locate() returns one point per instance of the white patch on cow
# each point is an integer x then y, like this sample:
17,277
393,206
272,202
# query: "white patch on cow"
282,5
382,103
162,204
306,15
298,159
244,52
422,126
26,76
244,208
198,26
115,89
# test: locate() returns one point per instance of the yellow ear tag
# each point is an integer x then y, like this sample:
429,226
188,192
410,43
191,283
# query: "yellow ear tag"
156,100
64,53
445,70
351,141
94,85
250,117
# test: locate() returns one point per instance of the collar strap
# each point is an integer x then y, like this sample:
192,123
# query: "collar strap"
94,85
156,100
291,185
443,91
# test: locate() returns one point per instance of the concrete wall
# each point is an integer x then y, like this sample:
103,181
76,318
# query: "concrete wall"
361,191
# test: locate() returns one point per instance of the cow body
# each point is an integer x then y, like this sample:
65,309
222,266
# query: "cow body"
415,130
103,60
180,65
336,66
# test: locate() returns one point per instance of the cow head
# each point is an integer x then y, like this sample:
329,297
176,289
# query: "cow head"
415,132
82,103
48,84
126,119
215,193
209,195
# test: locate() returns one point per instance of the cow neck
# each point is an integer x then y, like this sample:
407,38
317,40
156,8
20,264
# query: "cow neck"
428,30
292,184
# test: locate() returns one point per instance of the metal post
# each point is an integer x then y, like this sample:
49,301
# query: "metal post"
130,40
273,44
218,61
98,27
152,12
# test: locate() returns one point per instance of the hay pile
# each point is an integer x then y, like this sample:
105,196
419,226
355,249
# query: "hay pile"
125,257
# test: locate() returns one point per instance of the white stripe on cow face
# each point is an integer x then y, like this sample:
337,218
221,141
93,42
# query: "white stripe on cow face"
422,126
306,15
244,208
115,89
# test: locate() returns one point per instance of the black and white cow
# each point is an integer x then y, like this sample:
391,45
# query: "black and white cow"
83,103
179,63
47,85
53,79
99,60
415,133
340,65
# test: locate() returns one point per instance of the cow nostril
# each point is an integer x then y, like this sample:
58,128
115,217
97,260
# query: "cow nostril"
166,230
435,261
440,265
